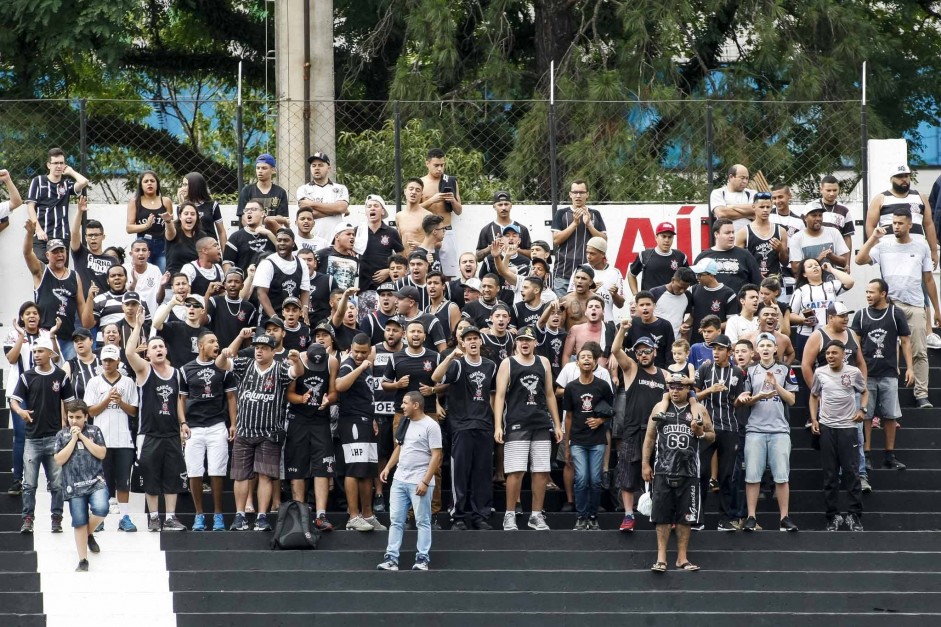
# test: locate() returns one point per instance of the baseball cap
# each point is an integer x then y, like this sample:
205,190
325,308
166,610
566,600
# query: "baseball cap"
110,351
55,244
131,297
319,156
418,255
646,340
81,332
265,158
385,287
377,198
343,226
291,300
598,243
43,341
193,299
526,333
409,291
512,227
500,196
263,339
837,308
766,336
473,283
396,320
275,320
285,230
471,330
902,170
721,341
813,209
706,266
536,260
587,269
326,327
317,357
665,227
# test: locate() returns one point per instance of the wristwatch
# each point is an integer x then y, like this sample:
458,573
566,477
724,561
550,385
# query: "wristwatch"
864,410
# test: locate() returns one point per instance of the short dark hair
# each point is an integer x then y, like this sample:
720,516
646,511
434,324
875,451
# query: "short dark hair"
415,179
140,240
204,334
771,284
430,223
56,152
414,397
710,322
414,322
883,286
767,306
836,343
435,153
746,343
361,339
536,281
435,273
643,294
94,224
595,297
686,275
829,180
117,265
399,259
75,406
718,224
176,275
748,287
581,182
903,212
592,346
491,275
779,186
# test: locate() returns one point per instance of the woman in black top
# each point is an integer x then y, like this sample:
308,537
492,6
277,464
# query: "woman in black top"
146,214
195,190
181,236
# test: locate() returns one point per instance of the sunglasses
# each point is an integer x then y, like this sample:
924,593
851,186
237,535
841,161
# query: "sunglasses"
677,387
644,351
193,306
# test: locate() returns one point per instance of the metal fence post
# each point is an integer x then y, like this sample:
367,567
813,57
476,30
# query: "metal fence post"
397,144
553,165
83,135
864,151
710,172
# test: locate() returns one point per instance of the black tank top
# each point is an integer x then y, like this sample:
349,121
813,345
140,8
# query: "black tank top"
383,401
677,448
81,373
318,384
57,299
200,284
156,230
526,408
495,348
769,263
181,250
443,316
283,284
158,405
852,347
640,398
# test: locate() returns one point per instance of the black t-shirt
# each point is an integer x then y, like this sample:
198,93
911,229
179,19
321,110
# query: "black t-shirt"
493,230
518,262
244,248
181,250
92,268
737,267
357,401
204,387
227,318
209,213
495,347
469,394
298,338
275,200
581,399
42,393
719,301
344,336
418,368
181,341
478,312
318,384
435,334
879,331
657,268
660,331
379,247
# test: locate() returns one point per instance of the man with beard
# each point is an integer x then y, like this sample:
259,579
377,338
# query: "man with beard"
478,311
575,302
496,229
384,400
823,243
281,276
528,310
768,316
250,242
417,277
647,324
381,241
208,407
883,206
434,335
643,384
374,322
205,274
107,306
229,313
340,261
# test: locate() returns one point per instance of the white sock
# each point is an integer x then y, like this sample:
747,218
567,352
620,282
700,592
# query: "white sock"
531,514
321,512
154,515
125,509
170,516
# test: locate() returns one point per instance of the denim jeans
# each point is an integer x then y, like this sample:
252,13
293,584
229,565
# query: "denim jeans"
19,444
41,451
560,285
588,461
97,501
67,349
400,496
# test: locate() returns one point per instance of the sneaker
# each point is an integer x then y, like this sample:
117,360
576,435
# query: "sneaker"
322,524
153,523
568,507
218,523
261,523
173,524
932,340
519,509
593,523
581,524
379,504
100,527
853,523
82,566
482,525
697,527
15,489
509,522
358,523
868,459
239,524
737,523
726,525
113,507
388,564
750,524
459,525
627,523
421,562
833,524
864,481
923,403
376,525
538,522
125,524
57,523
199,523
93,545
713,484
207,489
787,524
892,463
27,526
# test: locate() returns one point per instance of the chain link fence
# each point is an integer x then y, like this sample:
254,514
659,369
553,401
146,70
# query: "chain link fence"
672,151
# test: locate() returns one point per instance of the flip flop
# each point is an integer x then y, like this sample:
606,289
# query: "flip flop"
659,567
689,566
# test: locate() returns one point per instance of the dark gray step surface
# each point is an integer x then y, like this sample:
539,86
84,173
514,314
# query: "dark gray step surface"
22,620
21,602
18,582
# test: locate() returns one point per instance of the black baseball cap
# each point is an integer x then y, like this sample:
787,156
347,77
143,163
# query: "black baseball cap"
319,156
263,339
275,320
317,357
81,332
409,291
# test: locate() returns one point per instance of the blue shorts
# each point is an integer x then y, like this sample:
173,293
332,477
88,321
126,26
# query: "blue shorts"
764,449
79,505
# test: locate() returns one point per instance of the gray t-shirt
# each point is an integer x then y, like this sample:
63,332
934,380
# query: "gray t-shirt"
768,415
837,393
421,437
82,473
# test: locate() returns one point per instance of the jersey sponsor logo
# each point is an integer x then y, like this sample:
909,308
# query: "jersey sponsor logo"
728,266
791,377
256,397
98,266
650,383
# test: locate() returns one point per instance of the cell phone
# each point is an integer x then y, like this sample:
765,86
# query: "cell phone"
447,190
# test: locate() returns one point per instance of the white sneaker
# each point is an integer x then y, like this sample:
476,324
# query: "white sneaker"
376,525
538,522
358,523
113,506
933,341
509,522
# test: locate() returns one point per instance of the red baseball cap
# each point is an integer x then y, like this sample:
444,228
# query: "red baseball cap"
665,227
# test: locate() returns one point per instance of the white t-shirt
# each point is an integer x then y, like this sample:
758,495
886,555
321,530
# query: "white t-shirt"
4,209
902,267
331,192
265,271
113,422
546,296
722,197
672,308
148,283
736,326
309,243
804,245
420,438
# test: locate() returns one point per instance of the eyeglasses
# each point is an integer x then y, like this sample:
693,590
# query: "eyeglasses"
644,351
677,387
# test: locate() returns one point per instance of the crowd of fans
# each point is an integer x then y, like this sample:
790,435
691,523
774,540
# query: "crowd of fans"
325,358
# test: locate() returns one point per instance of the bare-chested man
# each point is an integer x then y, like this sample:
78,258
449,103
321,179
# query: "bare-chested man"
409,220
592,330
442,197
575,302
768,317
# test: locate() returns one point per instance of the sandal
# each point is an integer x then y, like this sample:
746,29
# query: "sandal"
688,566
659,567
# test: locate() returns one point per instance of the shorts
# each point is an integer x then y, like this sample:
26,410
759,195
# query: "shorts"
207,443
628,472
308,450
255,456
360,450
527,450
676,500
116,467
883,398
161,465
97,501
385,439
767,449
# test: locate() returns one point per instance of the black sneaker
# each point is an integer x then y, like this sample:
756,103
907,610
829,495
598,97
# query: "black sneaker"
923,403
833,524
57,523
853,523
726,525
698,527
892,463
787,524
82,566
868,459
750,524
519,509
482,525
27,526
15,489
93,545
379,504
459,525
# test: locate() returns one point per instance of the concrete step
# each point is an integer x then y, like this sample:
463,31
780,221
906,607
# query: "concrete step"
20,602
23,620
18,582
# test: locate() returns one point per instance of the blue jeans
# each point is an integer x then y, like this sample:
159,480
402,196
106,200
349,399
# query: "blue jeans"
41,451
79,505
400,496
588,462
67,349
560,285
158,252
19,444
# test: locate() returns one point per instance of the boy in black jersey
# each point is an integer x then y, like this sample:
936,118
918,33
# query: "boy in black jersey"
551,337
229,313
671,461
384,400
497,341
296,334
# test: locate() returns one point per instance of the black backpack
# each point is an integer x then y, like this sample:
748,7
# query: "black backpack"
293,531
